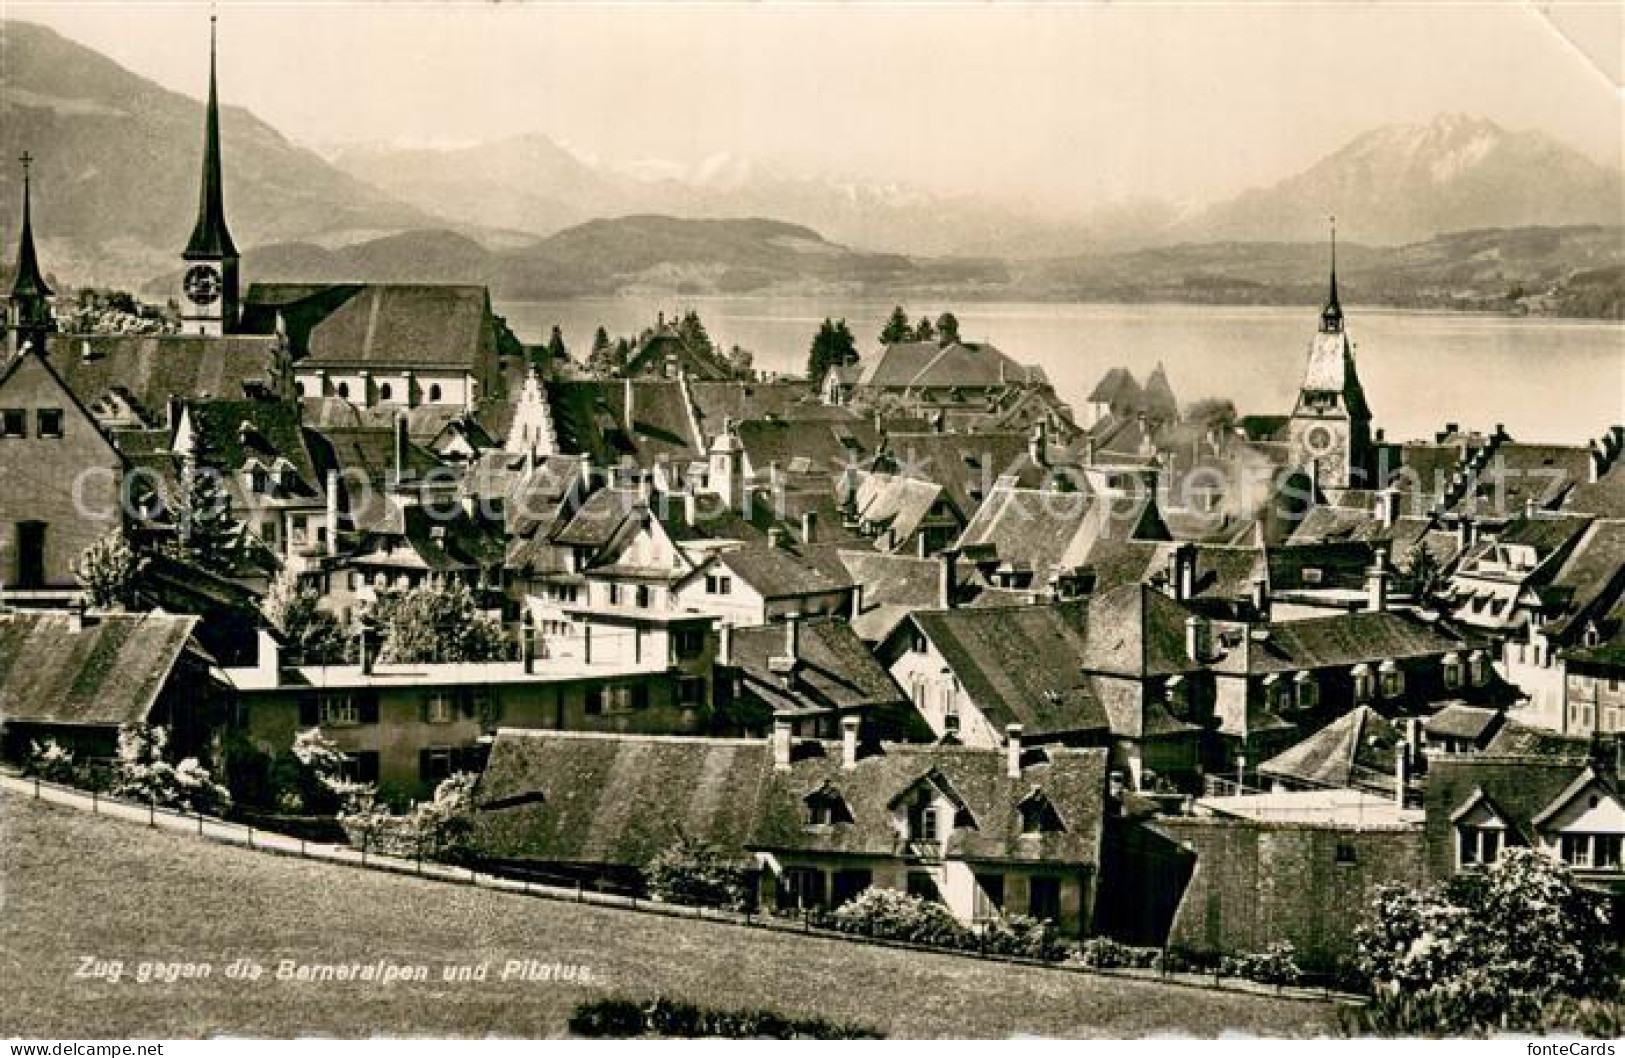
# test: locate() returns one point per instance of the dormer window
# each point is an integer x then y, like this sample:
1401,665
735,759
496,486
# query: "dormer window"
826,807
1478,668
1364,682
922,824
1038,815
1391,679
1176,693
1307,690
1453,672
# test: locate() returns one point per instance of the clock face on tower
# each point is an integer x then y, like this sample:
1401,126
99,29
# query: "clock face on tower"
202,284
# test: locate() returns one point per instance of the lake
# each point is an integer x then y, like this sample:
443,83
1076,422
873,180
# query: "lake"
1546,380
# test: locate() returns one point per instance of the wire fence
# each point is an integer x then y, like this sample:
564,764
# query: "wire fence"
596,891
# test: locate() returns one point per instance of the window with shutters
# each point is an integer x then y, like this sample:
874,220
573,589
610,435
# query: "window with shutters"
361,767
691,692
1044,898
435,765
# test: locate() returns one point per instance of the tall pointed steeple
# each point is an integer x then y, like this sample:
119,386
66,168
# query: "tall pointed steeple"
210,236
28,311
1331,317
209,288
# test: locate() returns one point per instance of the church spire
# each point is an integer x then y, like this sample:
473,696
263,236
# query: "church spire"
1331,317
30,283
210,237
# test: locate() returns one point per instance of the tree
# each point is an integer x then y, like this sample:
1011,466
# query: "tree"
698,875
924,332
692,331
109,570
947,328
1486,951
1422,570
437,622
294,610
1213,413
740,361
897,328
556,350
607,359
206,533
832,346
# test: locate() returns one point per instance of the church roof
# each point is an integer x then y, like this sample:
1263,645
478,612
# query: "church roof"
29,282
210,236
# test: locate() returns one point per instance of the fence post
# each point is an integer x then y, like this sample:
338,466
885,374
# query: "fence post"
200,824
366,838
251,835
152,811
36,787
806,920
581,896
302,854
95,802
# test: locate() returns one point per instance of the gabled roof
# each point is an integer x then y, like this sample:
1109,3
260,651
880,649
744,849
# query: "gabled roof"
1331,370
1582,782
108,673
377,324
835,670
1020,664
1337,640
1517,473
232,433
1117,389
1072,780
617,800
916,365
665,348
1136,631
1516,787
782,573
147,370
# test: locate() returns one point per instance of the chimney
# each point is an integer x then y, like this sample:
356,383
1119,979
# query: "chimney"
527,640
1089,450
1529,508
1012,750
778,536
332,513
781,745
857,601
268,653
586,474
1388,507
809,527
401,439
1413,738
1376,582
1182,571
792,636
1261,596
691,506
849,743
1466,532
1616,439
1197,638
947,561
628,398
174,408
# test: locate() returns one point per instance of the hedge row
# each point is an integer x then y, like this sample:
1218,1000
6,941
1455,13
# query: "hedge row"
626,1018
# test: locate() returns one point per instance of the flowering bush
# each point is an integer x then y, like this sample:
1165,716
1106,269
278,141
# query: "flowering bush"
895,915
1275,965
310,778
1103,953
50,762
438,829
144,774
698,875
1485,952
1022,936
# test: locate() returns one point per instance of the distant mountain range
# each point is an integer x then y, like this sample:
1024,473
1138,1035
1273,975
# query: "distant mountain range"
117,185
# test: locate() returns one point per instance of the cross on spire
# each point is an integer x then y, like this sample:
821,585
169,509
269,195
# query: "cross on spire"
30,282
1331,316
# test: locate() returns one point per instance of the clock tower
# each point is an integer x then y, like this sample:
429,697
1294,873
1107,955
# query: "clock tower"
1330,428
209,298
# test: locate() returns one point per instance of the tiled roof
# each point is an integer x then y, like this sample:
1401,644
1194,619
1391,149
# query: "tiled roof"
145,371
1072,780
1116,388
1516,787
1337,640
895,506
927,364
605,799
1136,631
1604,497
1520,740
1356,751
1519,472
108,673
824,449
835,671
1020,664
231,432
782,572
966,465
621,800
369,453
1459,720
378,324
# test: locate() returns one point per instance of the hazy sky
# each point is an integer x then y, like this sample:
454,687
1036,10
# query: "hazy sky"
1072,103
